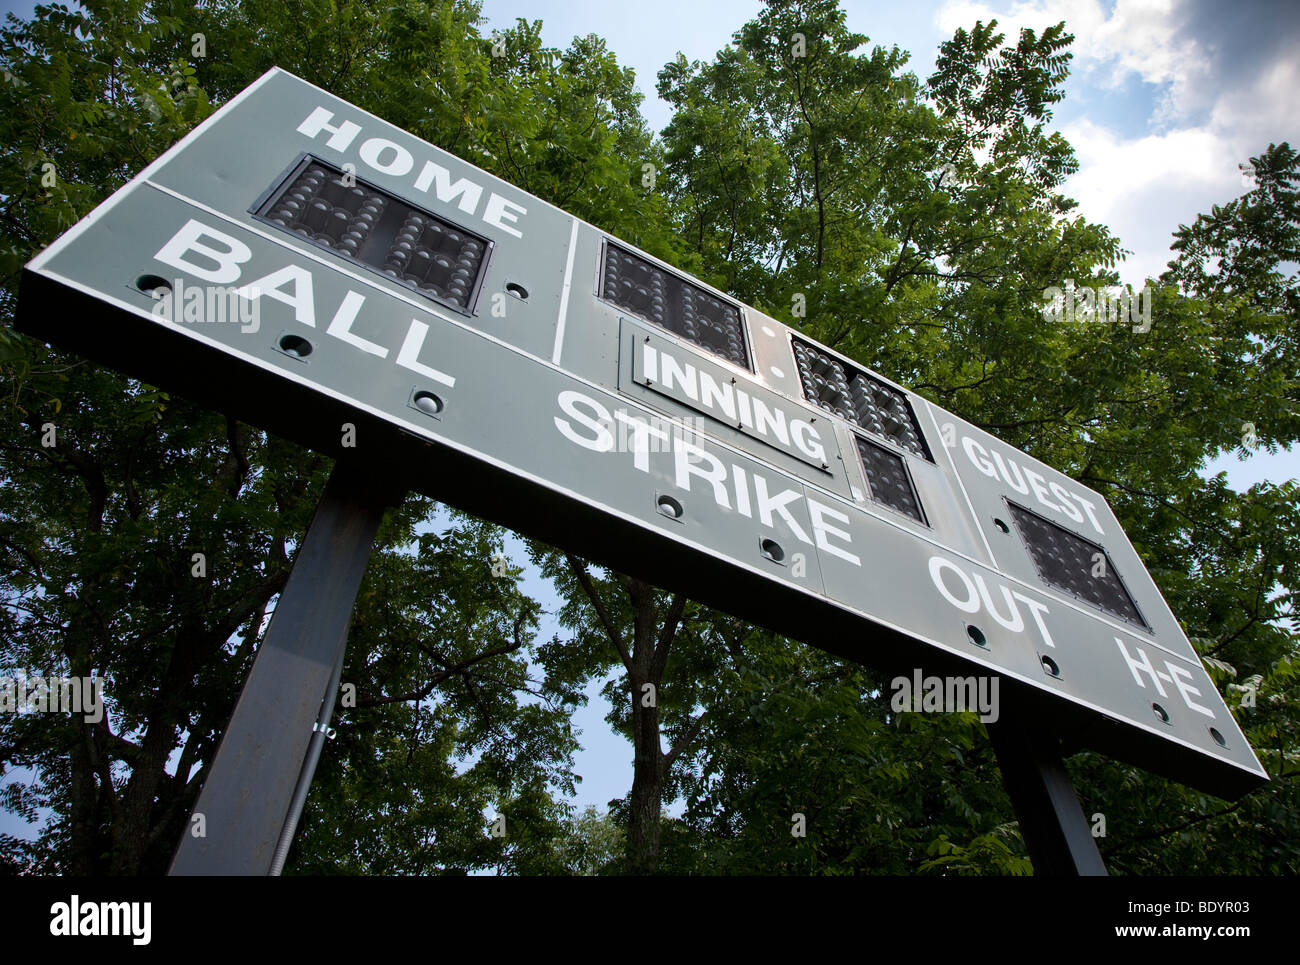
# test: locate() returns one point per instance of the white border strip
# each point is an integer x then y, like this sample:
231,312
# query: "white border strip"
564,294
952,468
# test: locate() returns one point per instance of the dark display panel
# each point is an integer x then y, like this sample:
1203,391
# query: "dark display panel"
422,251
674,304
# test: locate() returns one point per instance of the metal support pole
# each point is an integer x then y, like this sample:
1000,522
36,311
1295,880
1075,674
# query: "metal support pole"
247,795
318,733
1052,822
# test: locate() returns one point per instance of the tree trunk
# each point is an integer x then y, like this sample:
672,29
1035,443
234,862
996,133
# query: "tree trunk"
647,782
646,660
647,760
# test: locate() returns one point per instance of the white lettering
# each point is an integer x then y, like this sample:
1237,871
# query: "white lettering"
683,373
408,356
301,301
1143,663
690,459
972,603
821,529
1015,623
715,396
496,214
981,461
1092,517
651,358
1018,484
372,152
1037,611
765,418
1067,506
598,423
1185,688
779,502
1039,485
807,439
440,178
341,326
319,120
741,481
641,432
186,241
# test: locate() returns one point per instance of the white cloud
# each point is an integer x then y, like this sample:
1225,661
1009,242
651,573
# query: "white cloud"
1083,17
1263,111
1143,188
1225,87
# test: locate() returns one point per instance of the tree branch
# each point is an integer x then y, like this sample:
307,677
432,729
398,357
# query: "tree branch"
616,638
666,634
692,731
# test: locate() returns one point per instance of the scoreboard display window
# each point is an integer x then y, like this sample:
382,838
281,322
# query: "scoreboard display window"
856,397
1078,566
888,479
335,210
674,304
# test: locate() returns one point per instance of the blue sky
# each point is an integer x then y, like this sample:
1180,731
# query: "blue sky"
1165,99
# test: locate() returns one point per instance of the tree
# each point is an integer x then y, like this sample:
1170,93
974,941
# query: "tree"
148,544
920,224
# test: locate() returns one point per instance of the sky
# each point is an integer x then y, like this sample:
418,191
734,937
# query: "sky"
1166,98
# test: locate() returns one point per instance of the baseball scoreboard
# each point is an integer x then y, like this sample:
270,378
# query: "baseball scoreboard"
309,268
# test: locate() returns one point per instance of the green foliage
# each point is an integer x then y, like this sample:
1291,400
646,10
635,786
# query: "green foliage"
592,845
921,222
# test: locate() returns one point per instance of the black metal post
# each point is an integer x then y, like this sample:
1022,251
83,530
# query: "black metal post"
247,794
1052,822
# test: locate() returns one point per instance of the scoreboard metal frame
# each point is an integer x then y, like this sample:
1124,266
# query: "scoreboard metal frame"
506,357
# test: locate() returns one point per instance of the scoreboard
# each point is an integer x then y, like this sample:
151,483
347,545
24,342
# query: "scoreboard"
314,270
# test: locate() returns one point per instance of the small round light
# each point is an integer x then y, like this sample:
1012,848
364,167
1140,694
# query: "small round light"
295,346
427,402
669,507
